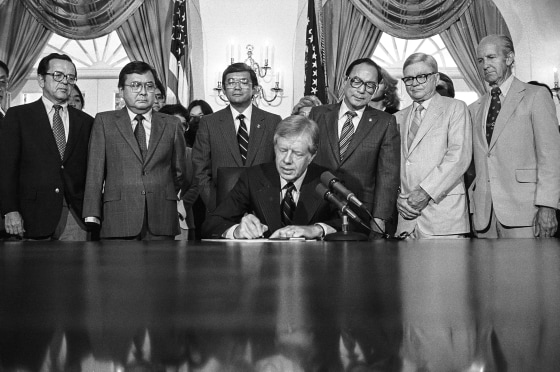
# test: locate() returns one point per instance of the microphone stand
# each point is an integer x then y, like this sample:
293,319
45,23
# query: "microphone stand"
345,235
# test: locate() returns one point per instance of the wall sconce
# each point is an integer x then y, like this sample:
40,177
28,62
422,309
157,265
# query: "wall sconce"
556,89
249,61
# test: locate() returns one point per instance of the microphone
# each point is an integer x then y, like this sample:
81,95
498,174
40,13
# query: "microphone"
341,205
335,185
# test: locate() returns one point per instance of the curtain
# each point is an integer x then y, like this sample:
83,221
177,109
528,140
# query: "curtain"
82,19
146,36
349,36
407,19
481,18
21,41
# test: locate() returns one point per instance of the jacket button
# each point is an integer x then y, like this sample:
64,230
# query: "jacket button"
143,192
56,190
62,167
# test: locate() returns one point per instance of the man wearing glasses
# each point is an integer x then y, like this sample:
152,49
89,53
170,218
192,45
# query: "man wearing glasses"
361,144
136,164
240,135
43,152
436,150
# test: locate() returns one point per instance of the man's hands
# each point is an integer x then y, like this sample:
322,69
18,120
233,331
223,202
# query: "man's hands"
545,222
410,206
14,224
249,228
292,231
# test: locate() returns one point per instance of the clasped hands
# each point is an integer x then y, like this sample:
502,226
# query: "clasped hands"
410,205
251,227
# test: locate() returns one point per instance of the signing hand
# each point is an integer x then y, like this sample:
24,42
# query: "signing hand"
545,222
249,228
14,224
291,231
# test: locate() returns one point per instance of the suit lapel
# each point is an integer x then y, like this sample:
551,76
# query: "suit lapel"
44,129
430,118
309,201
513,98
158,127
331,120
268,196
364,127
125,127
75,127
229,136
256,134
404,124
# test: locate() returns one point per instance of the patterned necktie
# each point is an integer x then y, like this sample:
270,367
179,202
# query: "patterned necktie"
58,130
415,125
140,134
493,111
242,138
288,205
346,134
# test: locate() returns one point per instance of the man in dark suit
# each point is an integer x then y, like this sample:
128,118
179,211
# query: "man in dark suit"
43,147
278,200
361,144
136,164
4,73
240,135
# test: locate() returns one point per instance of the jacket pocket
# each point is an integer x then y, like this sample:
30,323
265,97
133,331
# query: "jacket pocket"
526,175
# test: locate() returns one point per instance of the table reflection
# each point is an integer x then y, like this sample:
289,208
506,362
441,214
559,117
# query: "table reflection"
183,306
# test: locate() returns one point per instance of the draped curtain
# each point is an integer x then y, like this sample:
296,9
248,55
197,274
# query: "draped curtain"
21,41
82,19
348,36
146,36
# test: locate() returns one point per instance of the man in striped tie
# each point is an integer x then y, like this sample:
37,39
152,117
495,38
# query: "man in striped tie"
435,153
278,199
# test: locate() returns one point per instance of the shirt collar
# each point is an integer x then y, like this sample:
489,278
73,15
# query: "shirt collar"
504,88
424,104
248,111
49,105
344,109
297,183
147,115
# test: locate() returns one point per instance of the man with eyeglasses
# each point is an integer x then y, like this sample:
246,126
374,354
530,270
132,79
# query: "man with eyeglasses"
240,135
43,152
137,164
361,144
436,150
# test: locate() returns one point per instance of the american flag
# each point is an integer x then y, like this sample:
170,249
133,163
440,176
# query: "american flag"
314,64
179,62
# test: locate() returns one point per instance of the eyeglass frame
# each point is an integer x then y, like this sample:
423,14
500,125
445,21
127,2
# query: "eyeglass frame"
352,81
410,79
243,83
140,85
63,76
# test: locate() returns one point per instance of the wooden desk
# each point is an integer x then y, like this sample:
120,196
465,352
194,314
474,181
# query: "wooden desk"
439,305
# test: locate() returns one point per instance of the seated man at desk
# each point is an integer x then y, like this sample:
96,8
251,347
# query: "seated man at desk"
278,200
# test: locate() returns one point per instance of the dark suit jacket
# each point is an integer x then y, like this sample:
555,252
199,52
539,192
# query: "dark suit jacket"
258,192
216,146
372,164
34,178
119,186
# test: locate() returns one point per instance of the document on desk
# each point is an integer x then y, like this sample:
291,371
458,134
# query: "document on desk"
261,240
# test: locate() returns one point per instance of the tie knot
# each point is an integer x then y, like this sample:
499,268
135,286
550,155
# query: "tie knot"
290,187
495,92
139,118
240,116
351,114
419,108
57,108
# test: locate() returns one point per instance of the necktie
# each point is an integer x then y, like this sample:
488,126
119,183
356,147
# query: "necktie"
288,205
415,125
140,134
242,138
58,130
346,134
493,111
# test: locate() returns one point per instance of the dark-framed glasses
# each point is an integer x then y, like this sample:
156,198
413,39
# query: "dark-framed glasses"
356,82
420,79
136,86
232,83
59,76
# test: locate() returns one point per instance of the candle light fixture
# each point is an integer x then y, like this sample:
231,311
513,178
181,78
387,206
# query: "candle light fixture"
556,88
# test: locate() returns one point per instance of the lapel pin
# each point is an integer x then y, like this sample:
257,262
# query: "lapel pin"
258,126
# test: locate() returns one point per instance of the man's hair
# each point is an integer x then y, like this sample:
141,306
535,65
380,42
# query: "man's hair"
43,67
504,41
240,67
176,109
204,106
391,97
297,125
4,67
421,57
367,61
136,67
449,87
161,87
75,86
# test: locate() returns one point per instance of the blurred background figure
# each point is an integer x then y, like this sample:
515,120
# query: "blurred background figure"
197,109
445,86
160,96
180,112
304,106
387,97
76,98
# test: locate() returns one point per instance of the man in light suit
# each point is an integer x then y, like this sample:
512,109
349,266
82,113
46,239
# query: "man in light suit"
136,164
278,200
240,135
43,152
516,148
436,150
361,144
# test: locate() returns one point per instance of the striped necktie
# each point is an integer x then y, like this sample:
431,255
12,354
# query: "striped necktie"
242,138
58,130
415,125
288,204
346,134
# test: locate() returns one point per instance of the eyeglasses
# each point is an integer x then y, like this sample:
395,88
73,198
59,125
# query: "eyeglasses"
420,79
136,86
59,76
356,82
232,83
160,97
3,84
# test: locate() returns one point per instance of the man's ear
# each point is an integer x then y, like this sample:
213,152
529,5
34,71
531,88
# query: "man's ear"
41,80
510,58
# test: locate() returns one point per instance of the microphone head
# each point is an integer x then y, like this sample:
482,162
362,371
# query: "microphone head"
321,190
327,177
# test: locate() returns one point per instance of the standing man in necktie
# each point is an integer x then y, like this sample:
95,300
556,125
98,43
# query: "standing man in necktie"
4,75
240,135
137,164
43,152
436,150
361,144
516,148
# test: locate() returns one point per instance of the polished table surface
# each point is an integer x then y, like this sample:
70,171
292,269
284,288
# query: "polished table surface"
449,305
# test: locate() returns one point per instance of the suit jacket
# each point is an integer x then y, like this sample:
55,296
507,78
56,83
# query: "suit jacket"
520,168
120,186
34,178
436,161
258,192
216,146
371,166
